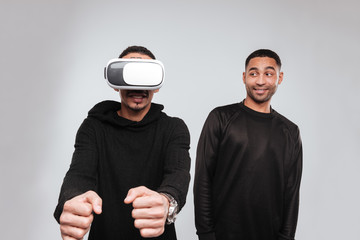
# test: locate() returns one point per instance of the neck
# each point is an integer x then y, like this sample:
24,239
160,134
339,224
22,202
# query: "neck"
133,115
259,107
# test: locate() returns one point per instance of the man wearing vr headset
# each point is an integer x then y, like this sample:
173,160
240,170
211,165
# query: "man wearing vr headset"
249,163
129,173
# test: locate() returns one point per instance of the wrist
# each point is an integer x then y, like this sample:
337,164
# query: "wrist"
173,208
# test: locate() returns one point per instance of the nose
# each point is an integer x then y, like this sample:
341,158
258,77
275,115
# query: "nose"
260,80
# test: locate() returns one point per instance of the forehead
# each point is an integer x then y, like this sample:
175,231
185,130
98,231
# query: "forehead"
137,55
262,63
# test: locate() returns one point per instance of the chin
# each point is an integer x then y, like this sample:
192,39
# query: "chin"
138,108
260,100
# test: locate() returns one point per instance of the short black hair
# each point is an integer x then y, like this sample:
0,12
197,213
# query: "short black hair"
137,49
264,53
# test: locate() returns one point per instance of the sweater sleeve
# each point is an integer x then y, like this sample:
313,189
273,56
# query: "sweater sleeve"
82,174
176,177
206,157
293,171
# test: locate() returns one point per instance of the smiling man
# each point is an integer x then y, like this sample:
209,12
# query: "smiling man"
129,173
249,163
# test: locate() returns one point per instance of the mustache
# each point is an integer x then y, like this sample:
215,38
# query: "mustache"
137,92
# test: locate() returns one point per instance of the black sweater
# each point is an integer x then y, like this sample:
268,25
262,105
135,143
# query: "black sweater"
247,176
113,154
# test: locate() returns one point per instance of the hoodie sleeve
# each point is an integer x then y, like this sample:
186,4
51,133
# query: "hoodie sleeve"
82,174
177,164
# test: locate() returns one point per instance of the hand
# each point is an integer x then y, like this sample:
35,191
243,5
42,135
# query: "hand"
150,211
76,218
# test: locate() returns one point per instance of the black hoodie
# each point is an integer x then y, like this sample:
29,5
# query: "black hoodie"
113,154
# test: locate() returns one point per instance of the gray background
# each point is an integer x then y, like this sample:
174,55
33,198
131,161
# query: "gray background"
52,58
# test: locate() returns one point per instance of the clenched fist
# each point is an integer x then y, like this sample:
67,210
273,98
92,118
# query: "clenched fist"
77,215
150,211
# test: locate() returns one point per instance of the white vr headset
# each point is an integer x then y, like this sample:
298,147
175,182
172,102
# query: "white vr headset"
134,74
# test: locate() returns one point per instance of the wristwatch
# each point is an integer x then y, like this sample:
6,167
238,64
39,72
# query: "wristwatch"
173,208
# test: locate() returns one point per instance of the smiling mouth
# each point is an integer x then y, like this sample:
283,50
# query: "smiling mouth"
259,90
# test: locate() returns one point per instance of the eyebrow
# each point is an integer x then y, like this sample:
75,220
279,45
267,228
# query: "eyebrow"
255,68
270,67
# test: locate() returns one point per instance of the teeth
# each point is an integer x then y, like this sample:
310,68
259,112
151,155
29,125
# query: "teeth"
260,91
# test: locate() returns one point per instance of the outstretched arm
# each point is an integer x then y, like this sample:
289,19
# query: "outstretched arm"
82,174
176,168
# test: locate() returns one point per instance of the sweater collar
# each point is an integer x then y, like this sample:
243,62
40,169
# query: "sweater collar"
256,113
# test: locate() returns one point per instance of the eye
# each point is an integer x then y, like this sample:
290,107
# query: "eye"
269,74
253,74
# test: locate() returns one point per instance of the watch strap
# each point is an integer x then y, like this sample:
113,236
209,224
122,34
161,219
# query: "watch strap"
173,208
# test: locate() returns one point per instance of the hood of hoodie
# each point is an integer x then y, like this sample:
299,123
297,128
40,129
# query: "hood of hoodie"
106,111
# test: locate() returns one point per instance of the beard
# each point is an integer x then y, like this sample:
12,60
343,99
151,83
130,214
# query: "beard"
260,98
136,107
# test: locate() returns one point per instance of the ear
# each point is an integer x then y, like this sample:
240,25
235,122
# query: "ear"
156,90
281,77
244,77
117,90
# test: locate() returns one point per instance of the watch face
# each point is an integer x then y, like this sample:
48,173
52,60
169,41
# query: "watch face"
172,209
